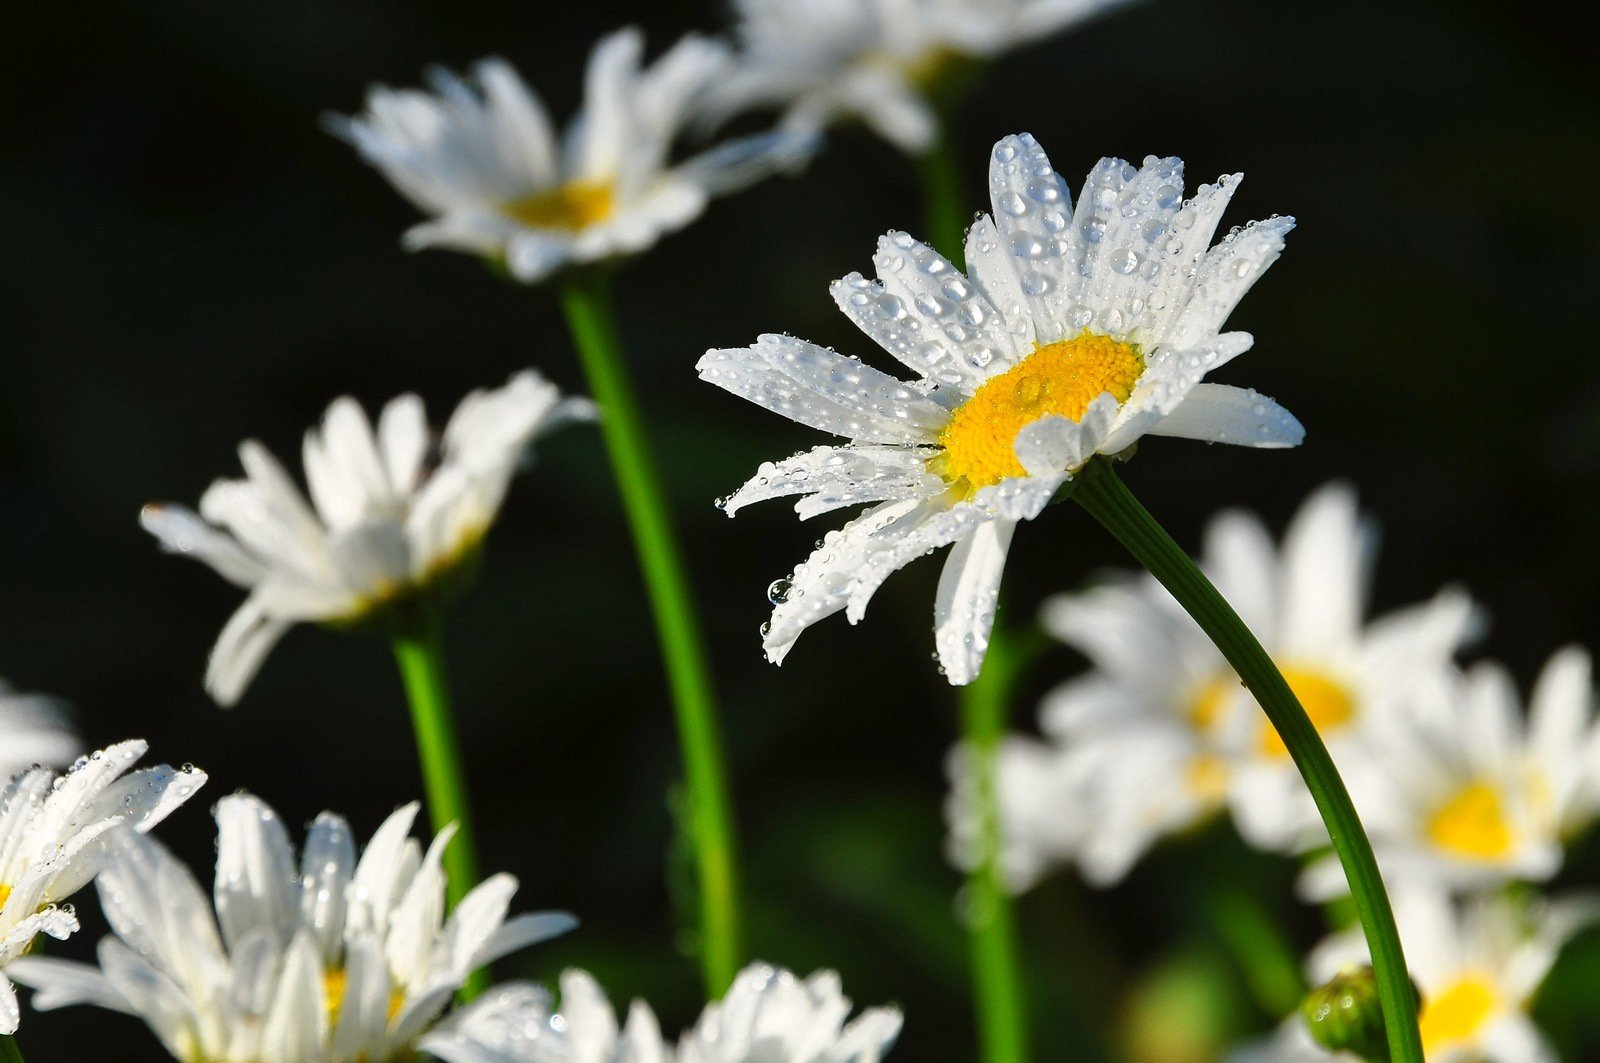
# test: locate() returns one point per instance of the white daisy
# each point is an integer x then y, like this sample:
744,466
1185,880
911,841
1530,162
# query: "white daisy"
56,833
1463,790
767,1016
393,515
338,960
33,730
1477,964
1073,334
517,1023
875,60
487,167
1161,734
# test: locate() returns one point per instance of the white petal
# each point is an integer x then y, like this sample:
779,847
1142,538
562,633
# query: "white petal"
181,531
245,641
834,477
1219,413
969,589
825,390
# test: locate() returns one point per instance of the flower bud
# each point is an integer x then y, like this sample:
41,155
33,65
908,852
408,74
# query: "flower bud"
1344,1014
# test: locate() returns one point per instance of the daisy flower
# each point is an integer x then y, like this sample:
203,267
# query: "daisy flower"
1074,333
394,516
33,730
326,959
1465,790
55,835
767,1016
876,61
483,160
1477,963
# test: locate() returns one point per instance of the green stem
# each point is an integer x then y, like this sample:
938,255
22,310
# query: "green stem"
9,1052
420,654
942,197
1259,947
997,982
586,300
1100,492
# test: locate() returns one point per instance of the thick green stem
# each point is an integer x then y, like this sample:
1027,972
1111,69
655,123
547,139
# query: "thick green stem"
1100,492
942,198
997,982
9,1052
586,300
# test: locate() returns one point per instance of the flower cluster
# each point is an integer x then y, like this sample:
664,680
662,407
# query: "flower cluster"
1461,792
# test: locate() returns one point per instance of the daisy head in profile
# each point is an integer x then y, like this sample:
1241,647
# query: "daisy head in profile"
394,520
325,957
1074,332
57,833
768,1015
883,63
482,158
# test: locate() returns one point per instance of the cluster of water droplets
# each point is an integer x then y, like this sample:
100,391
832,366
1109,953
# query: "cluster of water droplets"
834,477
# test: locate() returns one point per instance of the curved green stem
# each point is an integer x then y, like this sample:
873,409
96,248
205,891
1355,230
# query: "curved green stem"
997,982
1100,492
586,300
9,1052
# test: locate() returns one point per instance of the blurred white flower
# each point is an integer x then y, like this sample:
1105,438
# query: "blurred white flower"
1463,790
1477,963
33,730
1073,334
57,832
485,163
333,962
875,61
1161,734
767,1016
393,515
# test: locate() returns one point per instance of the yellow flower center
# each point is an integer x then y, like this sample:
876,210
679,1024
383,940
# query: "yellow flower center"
1205,711
334,983
1456,1014
1325,699
1473,824
572,206
1207,777
5,892
1058,379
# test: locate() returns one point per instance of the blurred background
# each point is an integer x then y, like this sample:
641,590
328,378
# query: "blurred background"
187,259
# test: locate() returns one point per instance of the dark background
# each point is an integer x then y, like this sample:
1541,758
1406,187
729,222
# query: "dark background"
187,259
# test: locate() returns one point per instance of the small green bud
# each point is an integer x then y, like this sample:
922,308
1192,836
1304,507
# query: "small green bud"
1344,1015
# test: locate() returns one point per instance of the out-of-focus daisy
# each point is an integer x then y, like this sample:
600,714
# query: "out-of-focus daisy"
876,61
1074,333
33,730
1160,734
56,833
1464,790
1477,964
767,1016
485,163
394,515
324,959
1159,679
